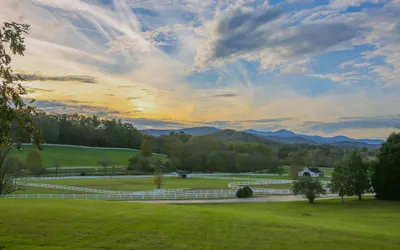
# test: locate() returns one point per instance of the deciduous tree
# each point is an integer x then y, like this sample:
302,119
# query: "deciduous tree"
308,187
16,116
359,181
340,182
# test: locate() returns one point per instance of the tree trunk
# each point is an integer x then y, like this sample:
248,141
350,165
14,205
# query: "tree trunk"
311,200
359,197
342,200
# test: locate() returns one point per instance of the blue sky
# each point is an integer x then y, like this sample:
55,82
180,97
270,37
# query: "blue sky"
318,67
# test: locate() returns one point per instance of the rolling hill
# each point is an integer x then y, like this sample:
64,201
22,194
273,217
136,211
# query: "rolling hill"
282,136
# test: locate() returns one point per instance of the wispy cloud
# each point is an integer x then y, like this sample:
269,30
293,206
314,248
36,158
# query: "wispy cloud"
70,78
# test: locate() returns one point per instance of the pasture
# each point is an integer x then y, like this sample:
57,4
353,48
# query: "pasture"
75,156
143,184
72,224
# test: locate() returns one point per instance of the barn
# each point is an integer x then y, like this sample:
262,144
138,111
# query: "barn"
313,172
182,174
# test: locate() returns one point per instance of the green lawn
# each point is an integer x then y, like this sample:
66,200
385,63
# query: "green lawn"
141,184
74,156
71,224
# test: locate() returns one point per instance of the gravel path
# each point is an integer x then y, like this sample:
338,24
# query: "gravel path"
274,198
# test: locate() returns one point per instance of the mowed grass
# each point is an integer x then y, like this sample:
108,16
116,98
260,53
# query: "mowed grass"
74,156
71,224
141,184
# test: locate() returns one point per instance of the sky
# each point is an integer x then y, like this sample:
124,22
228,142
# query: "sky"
325,67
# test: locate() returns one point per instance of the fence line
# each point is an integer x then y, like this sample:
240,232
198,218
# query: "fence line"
86,167
89,147
215,194
222,176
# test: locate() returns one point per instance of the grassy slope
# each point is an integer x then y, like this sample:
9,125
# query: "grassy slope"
70,156
56,225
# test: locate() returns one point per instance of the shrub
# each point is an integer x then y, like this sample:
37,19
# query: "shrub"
247,191
82,174
244,192
240,193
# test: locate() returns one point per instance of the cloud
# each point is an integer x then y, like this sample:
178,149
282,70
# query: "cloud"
224,95
267,120
70,78
72,106
376,122
344,78
153,123
253,33
31,90
344,4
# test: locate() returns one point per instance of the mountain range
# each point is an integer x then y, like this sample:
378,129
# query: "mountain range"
283,135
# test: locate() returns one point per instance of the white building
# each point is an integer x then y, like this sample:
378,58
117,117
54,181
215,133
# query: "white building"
313,172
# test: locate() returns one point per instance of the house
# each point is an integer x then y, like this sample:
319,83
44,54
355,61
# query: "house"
182,174
313,172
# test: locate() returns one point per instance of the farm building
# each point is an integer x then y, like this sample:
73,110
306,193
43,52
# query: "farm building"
182,174
313,172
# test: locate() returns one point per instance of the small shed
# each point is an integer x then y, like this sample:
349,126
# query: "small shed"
313,172
183,174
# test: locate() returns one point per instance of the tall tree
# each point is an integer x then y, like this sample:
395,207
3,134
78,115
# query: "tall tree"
16,116
386,171
358,175
340,182
308,187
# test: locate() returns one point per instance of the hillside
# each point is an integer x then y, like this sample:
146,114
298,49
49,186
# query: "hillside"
240,136
328,225
283,136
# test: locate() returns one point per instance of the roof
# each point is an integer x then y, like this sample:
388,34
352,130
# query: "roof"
315,170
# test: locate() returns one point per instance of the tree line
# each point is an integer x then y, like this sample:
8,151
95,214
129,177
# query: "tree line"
208,154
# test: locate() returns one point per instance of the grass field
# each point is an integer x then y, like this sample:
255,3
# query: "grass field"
140,184
74,156
70,224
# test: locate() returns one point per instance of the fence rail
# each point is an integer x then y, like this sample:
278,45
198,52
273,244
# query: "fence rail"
86,167
180,195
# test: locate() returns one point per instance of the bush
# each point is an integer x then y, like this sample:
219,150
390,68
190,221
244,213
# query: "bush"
82,174
244,192
240,193
247,191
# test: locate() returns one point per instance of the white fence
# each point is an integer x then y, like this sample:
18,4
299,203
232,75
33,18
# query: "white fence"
86,167
223,176
154,195
89,147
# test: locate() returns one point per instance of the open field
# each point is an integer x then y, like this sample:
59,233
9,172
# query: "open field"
45,224
74,156
142,184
